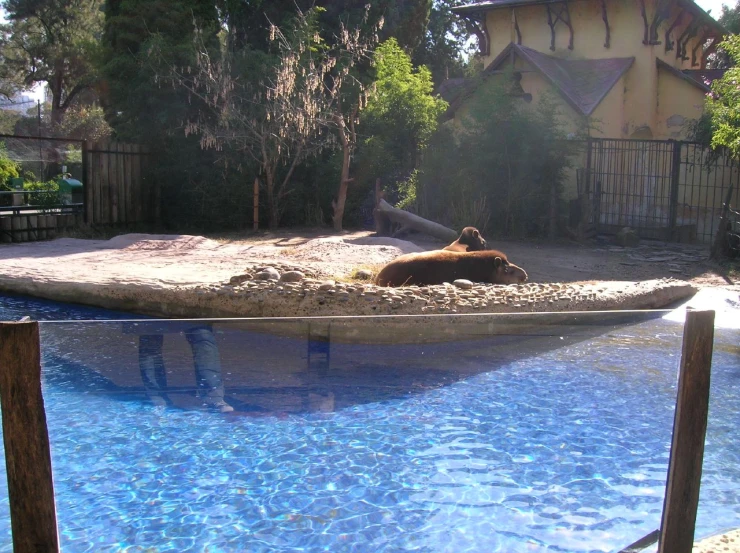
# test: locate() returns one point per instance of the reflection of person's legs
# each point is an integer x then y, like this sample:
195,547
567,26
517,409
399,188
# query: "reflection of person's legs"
207,366
151,365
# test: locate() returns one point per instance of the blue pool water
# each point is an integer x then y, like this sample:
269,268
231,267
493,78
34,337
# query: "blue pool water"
557,448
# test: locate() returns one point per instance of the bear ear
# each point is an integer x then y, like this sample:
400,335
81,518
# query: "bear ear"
476,234
497,262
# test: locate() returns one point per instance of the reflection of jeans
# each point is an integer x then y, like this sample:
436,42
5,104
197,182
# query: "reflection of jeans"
205,358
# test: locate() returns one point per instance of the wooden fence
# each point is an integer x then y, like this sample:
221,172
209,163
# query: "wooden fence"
32,227
117,190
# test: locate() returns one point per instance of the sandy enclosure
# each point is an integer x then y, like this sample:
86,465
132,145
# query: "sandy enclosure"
184,259
193,276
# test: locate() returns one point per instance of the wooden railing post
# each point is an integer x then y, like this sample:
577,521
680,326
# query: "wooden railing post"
256,205
26,438
689,430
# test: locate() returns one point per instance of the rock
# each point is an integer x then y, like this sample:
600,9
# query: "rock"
238,279
327,285
462,283
363,274
269,273
292,276
627,238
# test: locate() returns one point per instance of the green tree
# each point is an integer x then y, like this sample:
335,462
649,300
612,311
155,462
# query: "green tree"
248,21
51,42
8,119
723,104
730,18
8,168
445,42
401,115
280,110
142,41
502,169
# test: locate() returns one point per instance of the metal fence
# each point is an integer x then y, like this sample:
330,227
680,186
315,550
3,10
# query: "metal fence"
115,189
663,189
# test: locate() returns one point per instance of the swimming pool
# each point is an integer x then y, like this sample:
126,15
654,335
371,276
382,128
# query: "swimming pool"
490,444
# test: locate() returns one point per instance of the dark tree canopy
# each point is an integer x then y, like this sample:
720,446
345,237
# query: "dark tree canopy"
730,18
142,40
50,42
443,43
248,21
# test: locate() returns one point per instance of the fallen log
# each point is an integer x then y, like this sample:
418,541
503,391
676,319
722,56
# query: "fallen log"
411,221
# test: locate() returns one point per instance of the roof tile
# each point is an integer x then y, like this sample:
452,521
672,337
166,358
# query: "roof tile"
584,83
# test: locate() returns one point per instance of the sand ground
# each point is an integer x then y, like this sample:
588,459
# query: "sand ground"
140,259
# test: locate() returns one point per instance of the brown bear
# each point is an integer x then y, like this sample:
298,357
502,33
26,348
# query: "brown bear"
470,241
436,267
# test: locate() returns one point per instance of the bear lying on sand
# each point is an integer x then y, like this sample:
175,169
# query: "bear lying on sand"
470,241
440,266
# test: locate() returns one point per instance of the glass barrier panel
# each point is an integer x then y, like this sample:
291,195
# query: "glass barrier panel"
520,432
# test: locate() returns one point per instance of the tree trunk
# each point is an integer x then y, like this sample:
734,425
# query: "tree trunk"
56,99
339,203
415,222
272,206
346,137
552,227
256,205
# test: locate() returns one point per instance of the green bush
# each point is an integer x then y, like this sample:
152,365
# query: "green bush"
48,195
502,169
9,169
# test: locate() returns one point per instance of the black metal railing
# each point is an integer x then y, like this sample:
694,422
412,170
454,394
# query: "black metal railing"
663,189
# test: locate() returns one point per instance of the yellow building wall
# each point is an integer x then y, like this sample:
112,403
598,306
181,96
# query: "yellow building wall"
609,119
647,102
634,112
625,23
679,103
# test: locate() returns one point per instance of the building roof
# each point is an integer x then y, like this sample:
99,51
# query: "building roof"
485,5
480,6
450,89
704,76
692,77
583,83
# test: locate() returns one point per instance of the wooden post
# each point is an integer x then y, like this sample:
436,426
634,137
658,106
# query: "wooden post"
689,429
105,184
33,225
23,219
16,223
256,204
114,181
85,181
6,227
26,438
42,227
51,223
